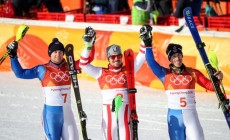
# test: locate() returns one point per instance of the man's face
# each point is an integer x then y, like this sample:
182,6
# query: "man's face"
57,56
176,59
115,60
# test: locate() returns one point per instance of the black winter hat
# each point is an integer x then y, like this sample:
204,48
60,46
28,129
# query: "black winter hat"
172,49
55,45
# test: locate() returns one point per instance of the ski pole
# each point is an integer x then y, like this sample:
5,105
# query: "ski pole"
116,105
214,62
19,35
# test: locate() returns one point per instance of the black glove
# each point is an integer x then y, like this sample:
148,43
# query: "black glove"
89,37
146,35
12,49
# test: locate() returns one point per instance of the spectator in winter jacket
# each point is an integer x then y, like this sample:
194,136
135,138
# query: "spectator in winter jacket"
209,10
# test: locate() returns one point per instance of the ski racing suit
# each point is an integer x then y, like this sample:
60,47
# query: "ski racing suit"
183,122
57,119
113,82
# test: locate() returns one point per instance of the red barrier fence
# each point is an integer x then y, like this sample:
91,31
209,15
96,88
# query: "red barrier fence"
219,23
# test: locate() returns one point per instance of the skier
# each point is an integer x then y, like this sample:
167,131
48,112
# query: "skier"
57,118
179,83
112,81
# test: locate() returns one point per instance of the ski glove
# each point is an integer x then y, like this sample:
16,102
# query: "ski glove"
146,35
12,49
89,37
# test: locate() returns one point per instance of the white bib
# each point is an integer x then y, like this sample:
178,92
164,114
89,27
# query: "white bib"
57,95
109,94
181,99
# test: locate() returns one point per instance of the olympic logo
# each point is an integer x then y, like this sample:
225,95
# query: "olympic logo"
184,80
60,76
116,79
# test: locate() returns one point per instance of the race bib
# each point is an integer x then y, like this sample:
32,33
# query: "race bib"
109,94
57,95
181,99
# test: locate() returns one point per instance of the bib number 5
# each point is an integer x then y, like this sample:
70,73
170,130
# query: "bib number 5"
183,102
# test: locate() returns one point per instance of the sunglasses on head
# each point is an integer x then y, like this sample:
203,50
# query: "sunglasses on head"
116,56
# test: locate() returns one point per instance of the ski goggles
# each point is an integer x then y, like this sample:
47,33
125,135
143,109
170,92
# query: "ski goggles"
119,56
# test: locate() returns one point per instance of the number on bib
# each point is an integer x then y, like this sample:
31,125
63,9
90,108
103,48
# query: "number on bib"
183,102
65,96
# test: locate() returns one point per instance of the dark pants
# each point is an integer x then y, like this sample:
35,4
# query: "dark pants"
53,5
194,4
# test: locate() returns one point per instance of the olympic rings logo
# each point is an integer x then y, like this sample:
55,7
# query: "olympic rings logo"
60,76
184,80
116,79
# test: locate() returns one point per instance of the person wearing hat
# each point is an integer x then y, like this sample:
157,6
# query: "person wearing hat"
179,83
57,119
112,82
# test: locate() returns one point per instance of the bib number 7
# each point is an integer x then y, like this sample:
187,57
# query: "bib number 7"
65,96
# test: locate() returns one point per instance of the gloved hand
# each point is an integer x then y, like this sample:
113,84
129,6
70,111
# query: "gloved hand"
219,75
12,49
146,35
89,37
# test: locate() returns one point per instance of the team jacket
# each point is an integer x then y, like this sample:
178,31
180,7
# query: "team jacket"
180,88
112,82
55,81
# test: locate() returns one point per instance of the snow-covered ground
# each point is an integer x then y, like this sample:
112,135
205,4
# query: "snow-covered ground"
21,103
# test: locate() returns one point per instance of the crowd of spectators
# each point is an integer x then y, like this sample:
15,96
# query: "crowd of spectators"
142,10
106,6
22,8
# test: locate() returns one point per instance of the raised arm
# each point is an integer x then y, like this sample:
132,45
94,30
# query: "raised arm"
36,72
146,37
140,58
89,39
